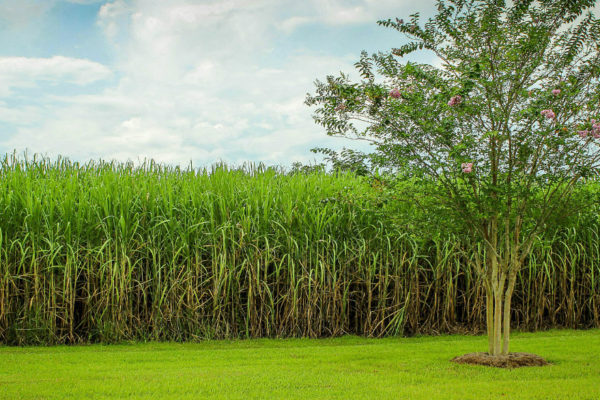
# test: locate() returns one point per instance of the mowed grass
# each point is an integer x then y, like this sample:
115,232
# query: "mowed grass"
340,368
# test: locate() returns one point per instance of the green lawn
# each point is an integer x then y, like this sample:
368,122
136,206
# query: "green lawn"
341,368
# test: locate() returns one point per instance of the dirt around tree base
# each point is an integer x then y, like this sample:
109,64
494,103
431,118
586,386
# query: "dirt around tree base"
512,360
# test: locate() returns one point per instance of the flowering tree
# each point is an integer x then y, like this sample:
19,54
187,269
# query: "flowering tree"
506,123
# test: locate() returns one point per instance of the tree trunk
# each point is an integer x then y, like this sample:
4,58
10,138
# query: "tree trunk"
489,311
499,290
495,282
507,300
497,322
500,278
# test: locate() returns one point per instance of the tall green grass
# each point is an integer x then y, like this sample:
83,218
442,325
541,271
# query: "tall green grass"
106,252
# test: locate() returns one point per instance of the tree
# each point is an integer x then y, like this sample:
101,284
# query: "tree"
506,124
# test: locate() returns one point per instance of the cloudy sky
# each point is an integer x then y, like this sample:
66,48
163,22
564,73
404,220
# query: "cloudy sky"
178,80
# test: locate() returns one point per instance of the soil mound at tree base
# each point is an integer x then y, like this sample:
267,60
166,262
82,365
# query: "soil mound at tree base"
512,360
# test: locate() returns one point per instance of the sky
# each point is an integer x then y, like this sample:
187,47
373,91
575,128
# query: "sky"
179,81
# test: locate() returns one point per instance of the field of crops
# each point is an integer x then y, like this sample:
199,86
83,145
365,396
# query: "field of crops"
106,252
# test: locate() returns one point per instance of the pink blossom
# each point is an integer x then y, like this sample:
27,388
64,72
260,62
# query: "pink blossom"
596,126
340,107
395,93
456,100
583,134
548,114
556,92
596,134
467,167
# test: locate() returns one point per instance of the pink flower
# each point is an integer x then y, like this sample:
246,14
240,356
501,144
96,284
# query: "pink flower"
556,92
583,134
548,114
456,100
395,93
340,107
596,126
467,167
596,134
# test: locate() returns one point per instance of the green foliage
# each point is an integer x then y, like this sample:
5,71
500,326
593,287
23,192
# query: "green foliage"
499,62
347,160
106,252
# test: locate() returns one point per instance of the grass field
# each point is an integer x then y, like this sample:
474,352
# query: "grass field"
341,368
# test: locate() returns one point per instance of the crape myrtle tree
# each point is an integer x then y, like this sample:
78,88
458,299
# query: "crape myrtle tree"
505,123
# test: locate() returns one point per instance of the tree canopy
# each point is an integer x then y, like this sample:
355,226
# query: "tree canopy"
505,123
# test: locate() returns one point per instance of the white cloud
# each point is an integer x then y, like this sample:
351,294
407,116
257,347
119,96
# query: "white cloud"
198,81
345,12
113,16
85,2
291,23
22,12
24,71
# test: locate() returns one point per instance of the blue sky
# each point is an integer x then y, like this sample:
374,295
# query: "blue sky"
179,80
